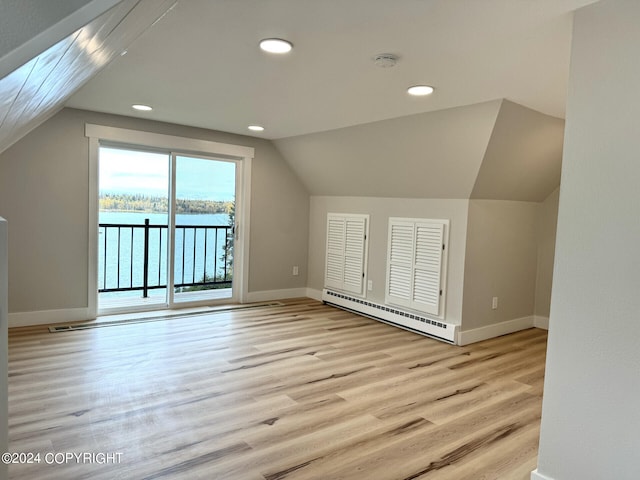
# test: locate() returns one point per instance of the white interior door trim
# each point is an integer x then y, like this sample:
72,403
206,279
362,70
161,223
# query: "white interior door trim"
172,144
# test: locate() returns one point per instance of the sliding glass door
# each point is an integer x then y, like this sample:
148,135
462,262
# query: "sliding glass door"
166,229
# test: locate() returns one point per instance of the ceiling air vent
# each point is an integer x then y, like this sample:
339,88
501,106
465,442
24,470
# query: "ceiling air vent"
385,60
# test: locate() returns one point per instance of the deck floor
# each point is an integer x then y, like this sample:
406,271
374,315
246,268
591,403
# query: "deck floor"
157,299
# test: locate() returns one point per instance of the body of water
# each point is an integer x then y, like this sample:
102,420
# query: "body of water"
198,252
137,218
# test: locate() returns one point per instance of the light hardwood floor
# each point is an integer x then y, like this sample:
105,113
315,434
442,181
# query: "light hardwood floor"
299,391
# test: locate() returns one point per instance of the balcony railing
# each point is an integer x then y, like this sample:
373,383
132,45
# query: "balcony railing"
134,257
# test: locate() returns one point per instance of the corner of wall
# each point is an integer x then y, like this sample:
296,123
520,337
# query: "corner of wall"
4,285
535,475
268,295
541,322
500,262
46,317
467,337
546,222
314,294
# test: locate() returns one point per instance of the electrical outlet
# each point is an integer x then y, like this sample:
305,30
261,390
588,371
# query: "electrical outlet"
494,303
295,270
370,285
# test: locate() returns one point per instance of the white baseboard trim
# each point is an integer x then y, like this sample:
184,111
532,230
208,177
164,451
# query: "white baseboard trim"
267,295
466,337
535,475
45,317
541,322
314,294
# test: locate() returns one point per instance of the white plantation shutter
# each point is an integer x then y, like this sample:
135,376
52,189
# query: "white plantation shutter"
354,255
427,267
346,252
415,264
334,273
400,264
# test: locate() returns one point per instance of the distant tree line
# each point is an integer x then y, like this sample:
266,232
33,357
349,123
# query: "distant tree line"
153,204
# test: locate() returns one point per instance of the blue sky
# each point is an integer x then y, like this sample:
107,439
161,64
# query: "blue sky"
147,173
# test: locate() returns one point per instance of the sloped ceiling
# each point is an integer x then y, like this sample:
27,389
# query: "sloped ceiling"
493,150
38,89
429,155
524,156
29,28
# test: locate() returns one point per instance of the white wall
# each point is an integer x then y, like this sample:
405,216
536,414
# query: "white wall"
500,261
546,221
44,195
4,412
380,209
590,417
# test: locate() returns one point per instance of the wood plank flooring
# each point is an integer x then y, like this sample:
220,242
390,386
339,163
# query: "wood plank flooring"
299,391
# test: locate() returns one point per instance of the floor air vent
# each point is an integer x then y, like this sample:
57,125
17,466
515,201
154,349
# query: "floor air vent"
400,318
113,323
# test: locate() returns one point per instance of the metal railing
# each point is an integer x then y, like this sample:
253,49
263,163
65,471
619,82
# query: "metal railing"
134,257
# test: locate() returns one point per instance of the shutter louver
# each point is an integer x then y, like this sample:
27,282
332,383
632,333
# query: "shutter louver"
400,283
400,263
414,269
346,251
334,273
428,261
354,255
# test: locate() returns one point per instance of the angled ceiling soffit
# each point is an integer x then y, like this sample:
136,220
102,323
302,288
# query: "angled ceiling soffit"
523,157
428,155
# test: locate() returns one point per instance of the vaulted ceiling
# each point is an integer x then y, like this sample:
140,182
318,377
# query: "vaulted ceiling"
326,105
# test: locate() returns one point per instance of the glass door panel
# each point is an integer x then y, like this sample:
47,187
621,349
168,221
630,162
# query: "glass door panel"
203,221
133,229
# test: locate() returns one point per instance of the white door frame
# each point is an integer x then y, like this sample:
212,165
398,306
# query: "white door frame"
171,144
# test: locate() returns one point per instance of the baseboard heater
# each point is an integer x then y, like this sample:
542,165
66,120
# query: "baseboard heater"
391,315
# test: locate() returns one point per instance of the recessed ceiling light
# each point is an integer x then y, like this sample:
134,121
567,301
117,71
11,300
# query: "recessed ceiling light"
275,45
420,90
256,128
142,108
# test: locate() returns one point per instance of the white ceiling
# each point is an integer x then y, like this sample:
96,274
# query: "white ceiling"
201,64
